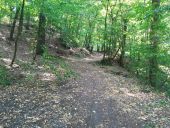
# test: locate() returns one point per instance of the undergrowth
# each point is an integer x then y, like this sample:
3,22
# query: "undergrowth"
47,63
59,67
163,81
5,78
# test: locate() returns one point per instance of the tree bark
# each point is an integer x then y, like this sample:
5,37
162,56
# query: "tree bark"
14,24
19,32
41,34
123,43
105,33
154,41
28,16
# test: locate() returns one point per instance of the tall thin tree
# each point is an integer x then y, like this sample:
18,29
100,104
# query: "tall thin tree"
105,29
154,41
19,32
123,42
11,37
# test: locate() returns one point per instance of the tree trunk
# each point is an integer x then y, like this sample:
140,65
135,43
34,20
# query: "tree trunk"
27,26
14,24
98,48
154,41
11,14
41,34
19,32
105,33
123,43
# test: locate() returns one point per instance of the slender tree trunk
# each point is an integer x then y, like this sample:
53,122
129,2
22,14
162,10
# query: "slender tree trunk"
11,14
14,24
19,32
41,34
154,41
28,16
123,43
88,42
105,33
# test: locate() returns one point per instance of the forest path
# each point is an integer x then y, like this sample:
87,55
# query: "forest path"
101,97
107,97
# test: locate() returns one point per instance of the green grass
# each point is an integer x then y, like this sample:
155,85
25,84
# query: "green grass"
59,67
5,78
49,63
149,125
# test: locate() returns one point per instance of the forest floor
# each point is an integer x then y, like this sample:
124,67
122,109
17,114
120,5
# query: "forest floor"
96,96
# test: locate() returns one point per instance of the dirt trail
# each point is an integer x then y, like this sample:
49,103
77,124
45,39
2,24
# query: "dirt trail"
100,98
96,99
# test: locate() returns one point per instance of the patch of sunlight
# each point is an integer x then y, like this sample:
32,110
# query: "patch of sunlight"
52,46
99,126
126,92
130,94
3,38
5,20
7,62
165,69
71,59
32,119
40,67
143,117
24,61
27,53
88,59
28,73
47,77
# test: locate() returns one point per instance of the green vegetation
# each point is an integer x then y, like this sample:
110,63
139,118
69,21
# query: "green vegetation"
5,78
51,64
134,33
58,66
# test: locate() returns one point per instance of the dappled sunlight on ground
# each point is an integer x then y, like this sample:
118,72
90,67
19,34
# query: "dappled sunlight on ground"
47,77
7,62
90,58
